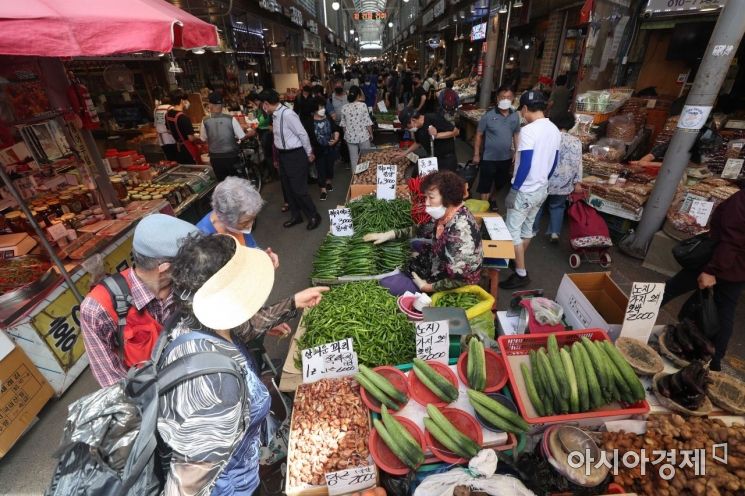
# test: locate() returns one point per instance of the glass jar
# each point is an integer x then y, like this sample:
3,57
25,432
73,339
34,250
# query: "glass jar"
16,221
126,160
55,207
119,187
69,221
66,204
44,217
80,196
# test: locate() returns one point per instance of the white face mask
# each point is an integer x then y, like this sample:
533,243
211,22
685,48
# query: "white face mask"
504,104
436,212
240,231
322,113
413,129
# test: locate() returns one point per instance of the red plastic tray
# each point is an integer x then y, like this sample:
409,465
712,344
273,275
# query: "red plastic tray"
421,393
396,378
523,343
465,423
496,371
382,454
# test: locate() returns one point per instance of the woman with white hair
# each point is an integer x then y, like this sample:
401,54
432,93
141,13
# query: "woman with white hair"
235,205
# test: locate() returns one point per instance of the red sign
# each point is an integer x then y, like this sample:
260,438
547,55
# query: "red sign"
369,16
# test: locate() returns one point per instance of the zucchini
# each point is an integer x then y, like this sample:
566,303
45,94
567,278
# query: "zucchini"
395,448
495,420
376,393
383,384
593,386
632,380
535,399
560,404
466,443
601,368
572,379
435,382
449,445
557,365
581,374
402,437
498,408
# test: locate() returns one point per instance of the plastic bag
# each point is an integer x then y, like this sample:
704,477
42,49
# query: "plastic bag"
479,477
547,312
702,309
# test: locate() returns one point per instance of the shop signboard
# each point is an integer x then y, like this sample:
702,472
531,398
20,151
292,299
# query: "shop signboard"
439,8
682,6
369,16
428,17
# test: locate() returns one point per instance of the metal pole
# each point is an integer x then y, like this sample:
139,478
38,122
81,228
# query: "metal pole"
504,45
39,232
719,53
492,42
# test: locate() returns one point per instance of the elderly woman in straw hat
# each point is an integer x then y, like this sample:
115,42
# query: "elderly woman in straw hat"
212,422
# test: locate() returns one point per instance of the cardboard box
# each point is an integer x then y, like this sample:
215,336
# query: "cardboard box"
496,252
357,190
23,392
592,300
6,345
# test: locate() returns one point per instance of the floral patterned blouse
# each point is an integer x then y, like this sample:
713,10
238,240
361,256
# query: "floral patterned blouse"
569,169
455,256
355,119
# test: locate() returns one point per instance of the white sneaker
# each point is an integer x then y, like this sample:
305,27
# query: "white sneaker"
554,238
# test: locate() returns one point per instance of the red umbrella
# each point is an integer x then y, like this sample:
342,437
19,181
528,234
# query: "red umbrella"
69,28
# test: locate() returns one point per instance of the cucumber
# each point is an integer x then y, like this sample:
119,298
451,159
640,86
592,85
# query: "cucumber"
601,368
495,420
448,392
402,437
395,448
375,392
560,404
557,365
469,362
477,362
593,386
540,384
581,374
466,443
572,379
624,392
383,384
632,380
498,408
444,439
535,399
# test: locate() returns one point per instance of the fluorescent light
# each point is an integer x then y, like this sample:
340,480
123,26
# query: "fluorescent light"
265,29
512,57
502,9
256,74
527,46
335,5
351,31
517,4
198,51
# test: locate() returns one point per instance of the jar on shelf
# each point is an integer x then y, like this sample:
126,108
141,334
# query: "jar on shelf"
44,216
69,221
16,221
55,206
126,159
70,204
112,155
81,196
119,187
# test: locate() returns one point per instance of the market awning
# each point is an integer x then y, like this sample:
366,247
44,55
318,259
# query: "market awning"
69,28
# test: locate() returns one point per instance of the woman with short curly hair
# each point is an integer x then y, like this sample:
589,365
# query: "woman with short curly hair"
451,256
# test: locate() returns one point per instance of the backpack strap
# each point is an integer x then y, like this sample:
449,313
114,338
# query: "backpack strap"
118,289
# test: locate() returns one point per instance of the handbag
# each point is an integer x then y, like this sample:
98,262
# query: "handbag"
694,253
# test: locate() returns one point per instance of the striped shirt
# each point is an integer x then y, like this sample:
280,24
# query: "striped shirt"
100,330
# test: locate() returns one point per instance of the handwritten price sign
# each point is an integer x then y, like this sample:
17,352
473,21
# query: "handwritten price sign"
433,340
386,182
641,312
427,166
341,222
329,361
351,480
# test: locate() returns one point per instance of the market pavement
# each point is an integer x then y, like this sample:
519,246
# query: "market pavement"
26,470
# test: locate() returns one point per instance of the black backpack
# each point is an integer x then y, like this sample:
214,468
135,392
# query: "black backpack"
110,445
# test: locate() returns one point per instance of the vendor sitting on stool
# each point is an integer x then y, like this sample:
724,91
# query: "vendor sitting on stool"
450,254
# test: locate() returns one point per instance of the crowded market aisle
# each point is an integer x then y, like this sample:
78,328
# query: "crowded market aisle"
27,469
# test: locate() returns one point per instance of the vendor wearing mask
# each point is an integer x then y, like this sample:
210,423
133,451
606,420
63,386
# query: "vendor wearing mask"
434,133
449,255
180,126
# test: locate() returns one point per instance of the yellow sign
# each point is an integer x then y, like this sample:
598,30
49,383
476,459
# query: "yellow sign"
59,323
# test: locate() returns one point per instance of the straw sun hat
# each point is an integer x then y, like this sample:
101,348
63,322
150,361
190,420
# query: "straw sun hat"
237,291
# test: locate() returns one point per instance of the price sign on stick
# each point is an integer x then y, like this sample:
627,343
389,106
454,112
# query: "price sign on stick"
427,166
732,168
382,107
433,340
641,312
328,361
341,222
701,210
361,167
350,480
386,182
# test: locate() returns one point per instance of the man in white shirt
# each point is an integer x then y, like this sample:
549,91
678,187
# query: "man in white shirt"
295,155
222,132
165,138
535,161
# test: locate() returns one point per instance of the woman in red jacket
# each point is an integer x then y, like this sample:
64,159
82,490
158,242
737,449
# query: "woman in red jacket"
725,272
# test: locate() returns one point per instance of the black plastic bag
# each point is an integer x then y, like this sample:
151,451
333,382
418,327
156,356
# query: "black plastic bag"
693,253
398,485
468,173
702,309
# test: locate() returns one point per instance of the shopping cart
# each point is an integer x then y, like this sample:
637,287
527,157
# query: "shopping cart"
588,233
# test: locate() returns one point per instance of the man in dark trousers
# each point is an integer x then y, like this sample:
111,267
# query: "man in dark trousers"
222,132
295,155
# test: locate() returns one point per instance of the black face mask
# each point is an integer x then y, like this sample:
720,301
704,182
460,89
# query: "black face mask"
339,91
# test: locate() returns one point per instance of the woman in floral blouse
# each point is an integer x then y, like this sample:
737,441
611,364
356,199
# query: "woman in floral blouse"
355,119
449,255
565,179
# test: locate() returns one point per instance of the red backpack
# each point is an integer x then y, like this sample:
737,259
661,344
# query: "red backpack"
587,228
450,101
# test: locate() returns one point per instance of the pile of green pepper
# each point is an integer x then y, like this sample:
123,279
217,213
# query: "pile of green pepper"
370,215
367,313
459,300
352,256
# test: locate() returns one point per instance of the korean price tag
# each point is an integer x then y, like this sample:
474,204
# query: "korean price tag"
382,107
427,165
328,361
641,312
732,168
386,182
433,340
361,167
413,157
341,222
701,210
350,480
